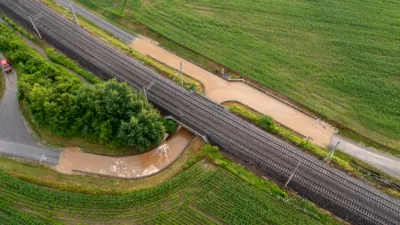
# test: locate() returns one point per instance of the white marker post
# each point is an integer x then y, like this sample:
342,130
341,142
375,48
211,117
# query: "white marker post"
73,12
291,176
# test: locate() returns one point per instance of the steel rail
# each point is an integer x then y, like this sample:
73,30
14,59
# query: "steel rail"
228,120
375,195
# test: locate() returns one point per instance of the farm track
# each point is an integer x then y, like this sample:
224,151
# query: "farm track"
328,187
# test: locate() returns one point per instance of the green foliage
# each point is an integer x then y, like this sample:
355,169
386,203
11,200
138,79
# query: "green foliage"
267,123
170,126
338,58
61,59
183,199
19,29
109,113
143,131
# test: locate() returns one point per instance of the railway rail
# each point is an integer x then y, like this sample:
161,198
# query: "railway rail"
336,191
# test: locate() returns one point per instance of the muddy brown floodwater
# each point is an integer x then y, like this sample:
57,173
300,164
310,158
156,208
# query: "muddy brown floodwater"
74,160
220,90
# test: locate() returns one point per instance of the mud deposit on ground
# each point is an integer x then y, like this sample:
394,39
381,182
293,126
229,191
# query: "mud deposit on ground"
220,90
72,159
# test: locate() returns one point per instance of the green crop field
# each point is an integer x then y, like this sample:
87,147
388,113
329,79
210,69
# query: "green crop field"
339,58
202,194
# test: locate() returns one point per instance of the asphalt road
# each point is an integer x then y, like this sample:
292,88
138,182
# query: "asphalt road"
117,32
15,140
12,127
29,152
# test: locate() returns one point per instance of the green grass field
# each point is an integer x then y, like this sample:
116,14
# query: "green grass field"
202,194
338,58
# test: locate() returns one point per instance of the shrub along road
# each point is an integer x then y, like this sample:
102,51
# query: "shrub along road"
15,139
219,90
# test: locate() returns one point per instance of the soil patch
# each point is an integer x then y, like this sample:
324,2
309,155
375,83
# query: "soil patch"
220,90
72,159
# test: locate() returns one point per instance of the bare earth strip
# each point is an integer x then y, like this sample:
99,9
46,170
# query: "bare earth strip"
143,165
221,90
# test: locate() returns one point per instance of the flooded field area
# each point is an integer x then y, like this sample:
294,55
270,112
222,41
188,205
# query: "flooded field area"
74,160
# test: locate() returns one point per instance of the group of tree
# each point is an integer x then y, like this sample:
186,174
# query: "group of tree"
108,112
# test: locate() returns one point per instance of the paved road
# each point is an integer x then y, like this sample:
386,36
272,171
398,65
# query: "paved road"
15,140
390,165
29,152
117,32
12,127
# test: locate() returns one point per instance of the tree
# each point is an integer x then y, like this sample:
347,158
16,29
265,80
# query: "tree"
142,132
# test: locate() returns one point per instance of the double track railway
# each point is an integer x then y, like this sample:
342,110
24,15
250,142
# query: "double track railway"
334,190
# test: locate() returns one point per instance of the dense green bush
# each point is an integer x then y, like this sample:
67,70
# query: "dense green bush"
170,126
267,122
109,113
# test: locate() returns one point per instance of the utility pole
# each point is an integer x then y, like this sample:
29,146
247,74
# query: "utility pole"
291,176
145,95
147,88
34,26
73,12
181,75
330,154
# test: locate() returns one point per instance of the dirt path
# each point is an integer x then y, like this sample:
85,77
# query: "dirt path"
220,90
126,167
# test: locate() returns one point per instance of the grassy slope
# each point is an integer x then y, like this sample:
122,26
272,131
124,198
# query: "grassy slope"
202,194
338,58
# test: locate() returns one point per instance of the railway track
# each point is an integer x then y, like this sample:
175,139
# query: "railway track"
332,189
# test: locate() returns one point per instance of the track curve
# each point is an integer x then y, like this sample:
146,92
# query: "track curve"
336,191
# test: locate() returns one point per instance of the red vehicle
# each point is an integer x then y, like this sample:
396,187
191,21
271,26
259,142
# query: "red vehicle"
5,65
